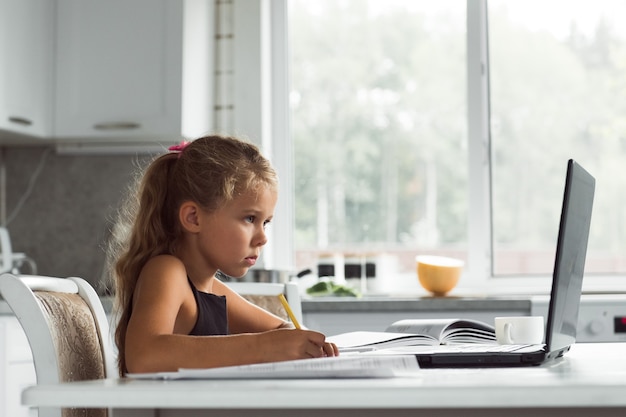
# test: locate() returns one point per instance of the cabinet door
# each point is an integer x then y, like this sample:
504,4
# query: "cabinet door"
16,368
119,68
27,70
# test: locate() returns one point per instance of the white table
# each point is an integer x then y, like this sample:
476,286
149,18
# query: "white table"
589,380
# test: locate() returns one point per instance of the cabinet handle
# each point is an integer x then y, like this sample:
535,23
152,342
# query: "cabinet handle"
20,121
117,126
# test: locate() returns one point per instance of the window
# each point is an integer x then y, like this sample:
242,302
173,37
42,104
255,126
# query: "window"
558,84
379,128
383,150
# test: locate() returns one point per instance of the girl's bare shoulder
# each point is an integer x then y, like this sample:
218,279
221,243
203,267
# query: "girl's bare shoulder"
164,271
164,261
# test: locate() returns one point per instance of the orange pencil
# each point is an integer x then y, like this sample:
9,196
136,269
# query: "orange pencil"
293,318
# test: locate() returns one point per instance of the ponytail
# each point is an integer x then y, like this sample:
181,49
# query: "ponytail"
147,221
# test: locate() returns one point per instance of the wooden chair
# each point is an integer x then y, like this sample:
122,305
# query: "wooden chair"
265,295
67,330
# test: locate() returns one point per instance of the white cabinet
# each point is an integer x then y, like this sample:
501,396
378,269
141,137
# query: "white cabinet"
26,66
17,369
113,69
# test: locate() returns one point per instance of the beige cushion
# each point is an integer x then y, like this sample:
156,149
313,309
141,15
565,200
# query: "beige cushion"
76,339
270,303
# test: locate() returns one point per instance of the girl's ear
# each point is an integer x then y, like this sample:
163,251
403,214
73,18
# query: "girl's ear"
188,216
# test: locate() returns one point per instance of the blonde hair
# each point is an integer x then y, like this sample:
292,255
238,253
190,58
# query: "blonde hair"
209,171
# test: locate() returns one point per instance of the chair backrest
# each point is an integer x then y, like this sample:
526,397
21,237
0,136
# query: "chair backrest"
67,330
265,295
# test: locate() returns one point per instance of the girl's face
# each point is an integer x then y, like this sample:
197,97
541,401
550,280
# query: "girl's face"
232,236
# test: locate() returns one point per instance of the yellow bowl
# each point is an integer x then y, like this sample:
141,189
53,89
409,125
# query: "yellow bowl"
438,274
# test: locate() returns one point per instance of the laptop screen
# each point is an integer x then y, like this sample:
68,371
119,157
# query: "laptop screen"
569,264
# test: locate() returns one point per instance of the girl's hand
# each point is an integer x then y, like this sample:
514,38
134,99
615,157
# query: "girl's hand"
290,344
331,349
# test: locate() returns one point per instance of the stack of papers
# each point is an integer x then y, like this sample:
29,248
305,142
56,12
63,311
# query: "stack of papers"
350,366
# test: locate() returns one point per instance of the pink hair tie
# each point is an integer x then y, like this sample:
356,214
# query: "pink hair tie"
178,148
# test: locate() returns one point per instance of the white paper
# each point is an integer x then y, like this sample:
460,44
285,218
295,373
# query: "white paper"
350,366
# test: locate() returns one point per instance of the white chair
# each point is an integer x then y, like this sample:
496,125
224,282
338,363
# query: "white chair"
12,261
265,295
67,330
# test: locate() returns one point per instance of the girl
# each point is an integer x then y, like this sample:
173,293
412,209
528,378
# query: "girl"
199,209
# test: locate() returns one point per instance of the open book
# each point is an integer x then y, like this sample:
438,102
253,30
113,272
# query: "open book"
416,332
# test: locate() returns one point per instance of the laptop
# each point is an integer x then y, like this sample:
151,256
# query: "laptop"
567,279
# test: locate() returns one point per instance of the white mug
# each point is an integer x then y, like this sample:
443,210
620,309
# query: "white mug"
519,330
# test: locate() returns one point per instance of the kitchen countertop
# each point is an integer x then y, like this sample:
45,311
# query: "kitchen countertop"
417,303
386,303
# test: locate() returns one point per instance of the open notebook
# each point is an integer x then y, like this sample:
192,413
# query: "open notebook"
330,367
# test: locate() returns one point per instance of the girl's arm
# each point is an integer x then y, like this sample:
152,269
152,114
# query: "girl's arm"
164,311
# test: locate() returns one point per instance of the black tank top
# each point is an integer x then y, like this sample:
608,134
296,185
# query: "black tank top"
212,319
